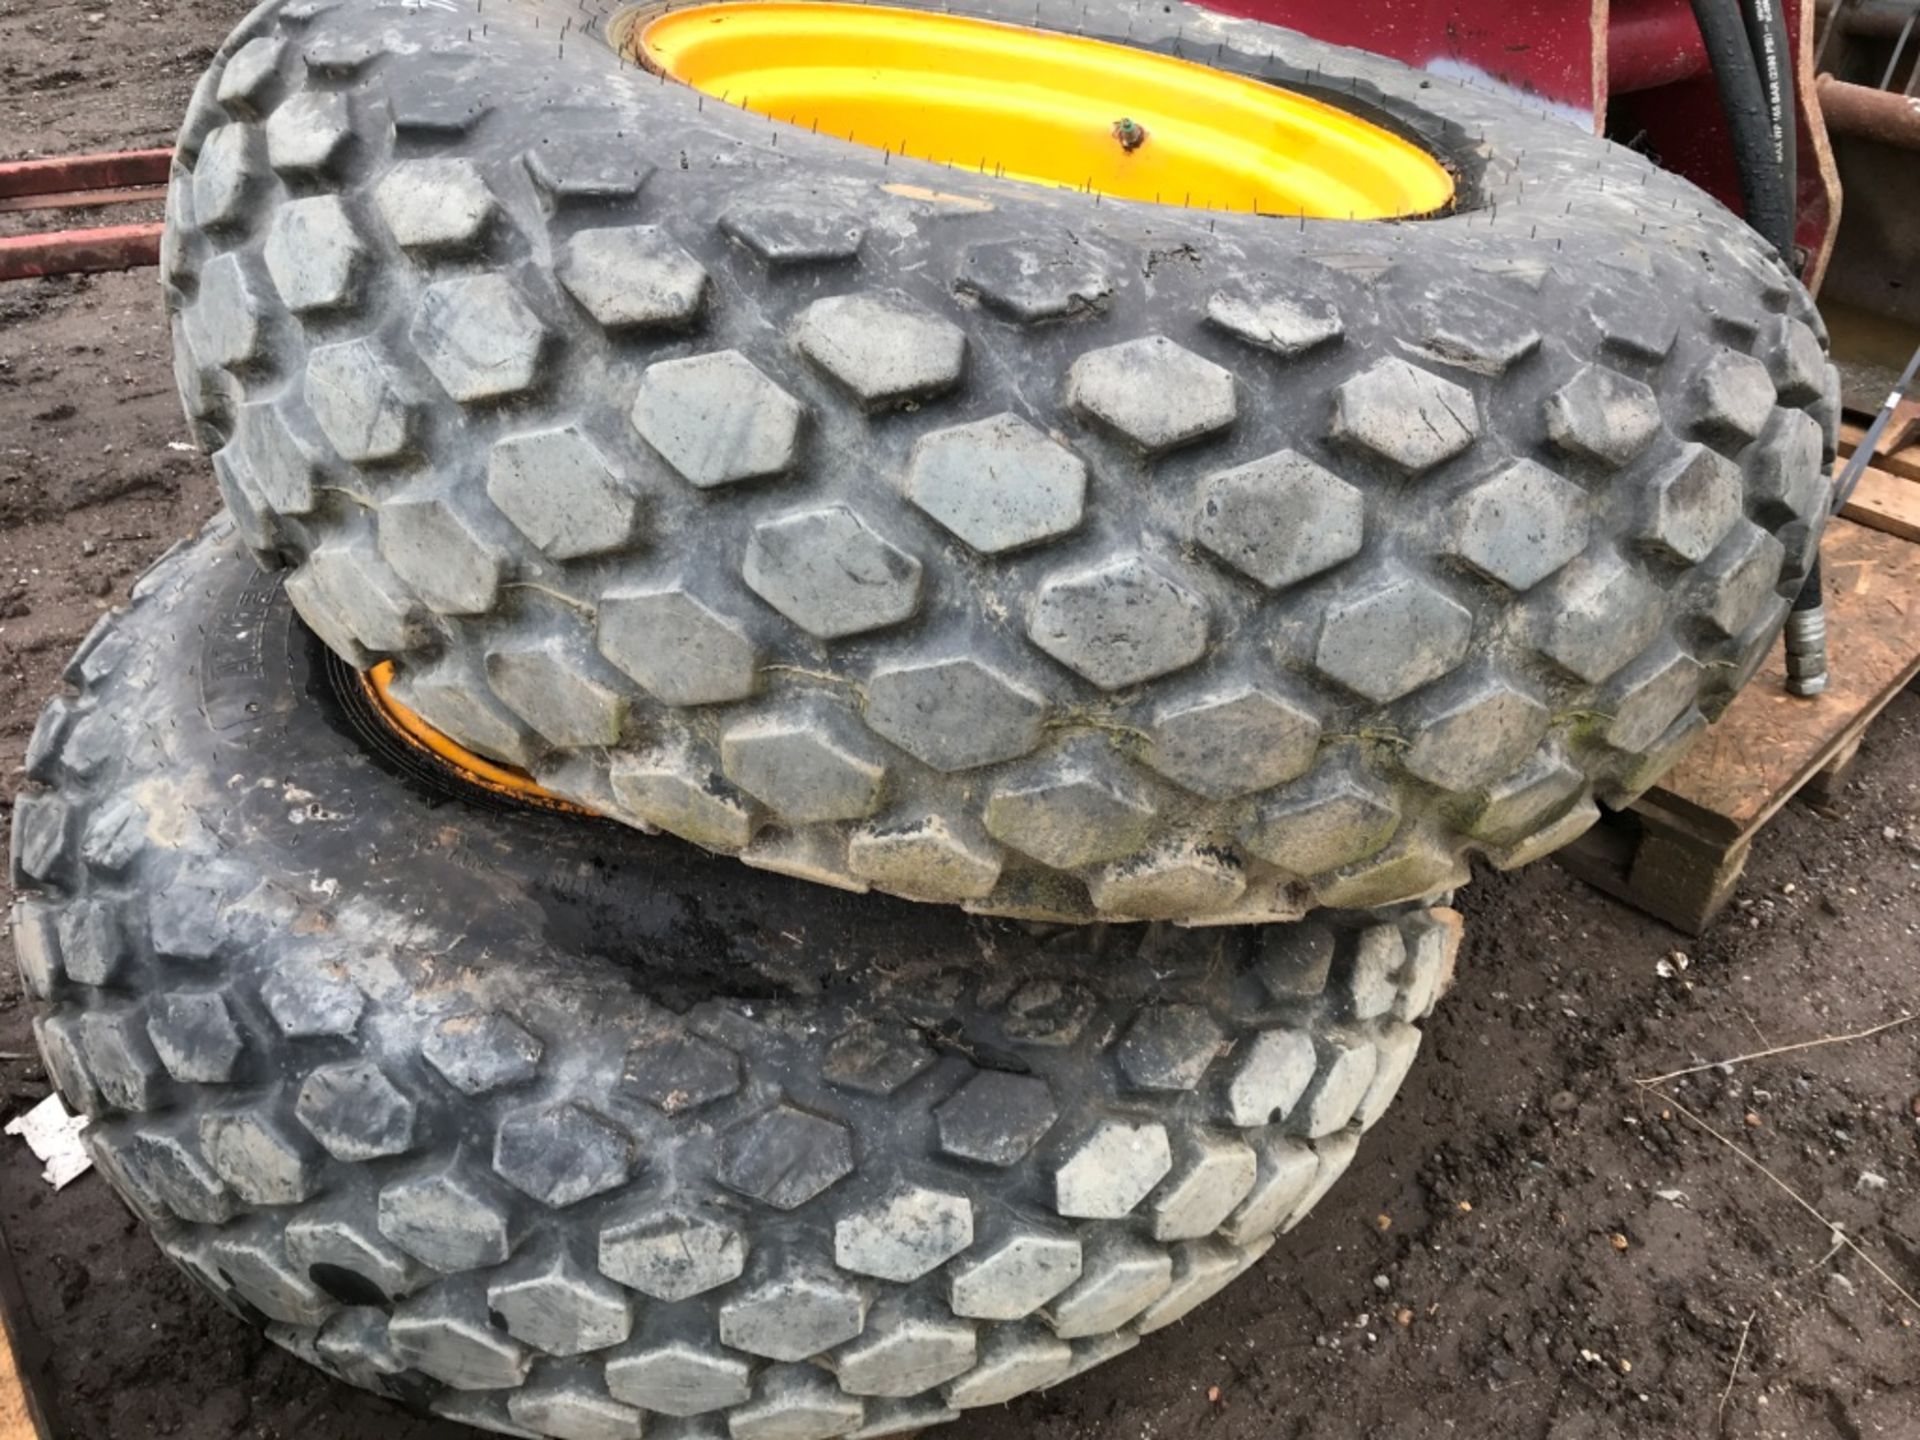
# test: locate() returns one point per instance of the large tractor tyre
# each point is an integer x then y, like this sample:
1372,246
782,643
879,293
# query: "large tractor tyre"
548,1125
882,521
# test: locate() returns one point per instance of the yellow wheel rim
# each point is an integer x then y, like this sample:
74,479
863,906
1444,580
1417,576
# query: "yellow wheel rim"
1043,107
450,754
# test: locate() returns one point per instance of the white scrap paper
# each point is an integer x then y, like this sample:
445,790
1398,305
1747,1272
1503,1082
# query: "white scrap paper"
54,1137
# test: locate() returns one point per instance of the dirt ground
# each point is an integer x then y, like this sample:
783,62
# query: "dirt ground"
1529,1246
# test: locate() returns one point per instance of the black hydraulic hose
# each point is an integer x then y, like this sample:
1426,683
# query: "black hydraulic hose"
1773,61
1749,120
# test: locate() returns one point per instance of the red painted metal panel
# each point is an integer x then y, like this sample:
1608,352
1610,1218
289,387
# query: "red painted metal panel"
1541,48
84,172
65,252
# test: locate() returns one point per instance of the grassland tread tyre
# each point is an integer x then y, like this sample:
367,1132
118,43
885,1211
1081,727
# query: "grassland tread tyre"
905,528
551,1126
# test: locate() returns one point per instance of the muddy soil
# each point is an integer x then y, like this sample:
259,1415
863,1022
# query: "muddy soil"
1531,1246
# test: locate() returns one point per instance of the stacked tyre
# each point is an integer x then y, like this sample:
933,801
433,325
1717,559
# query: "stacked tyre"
1145,615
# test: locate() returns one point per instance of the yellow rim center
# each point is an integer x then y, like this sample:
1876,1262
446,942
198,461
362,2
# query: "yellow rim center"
1039,106
476,769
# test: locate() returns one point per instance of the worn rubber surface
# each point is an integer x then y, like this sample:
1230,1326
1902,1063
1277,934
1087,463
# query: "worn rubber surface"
901,527
547,1124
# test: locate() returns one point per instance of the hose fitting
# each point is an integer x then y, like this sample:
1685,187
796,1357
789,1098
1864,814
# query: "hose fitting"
1807,651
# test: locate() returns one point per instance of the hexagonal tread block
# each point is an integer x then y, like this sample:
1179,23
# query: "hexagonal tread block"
1070,813
252,76
1153,393
562,1153
358,1264
829,572
1287,324
904,1234
1168,1047
434,1337
905,1353
1519,525
875,1058
1212,1174
1169,882
360,402
681,649
683,795
1120,1276
258,1269
436,204
262,1159
1408,417
1029,282
717,420
999,483
446,1219
1120,622
1111,1169
1266,1076
193,1032
1603,416
1599,615
1201,1270
796,233
633,278
305,134
586,168
1280,519
995,1118
793,1316
796,1405
546,685
1284,1170
675,1071
560,1307
279,468
563,494
1692,504
223,323
355,1111
785,1156
1346,1069
441,555
1013,1277
306,1003
1392,639
1644,710
807,762
223,175
314,255
1732,396
955,713
478,337
672,1256
482,1051
1232,741
679,1378
573,1410
928,857
1465,741
1014,1359
883,349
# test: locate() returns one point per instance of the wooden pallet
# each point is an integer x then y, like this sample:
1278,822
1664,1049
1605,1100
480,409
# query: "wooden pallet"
1679,851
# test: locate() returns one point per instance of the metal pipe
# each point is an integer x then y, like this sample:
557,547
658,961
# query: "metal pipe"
1871,114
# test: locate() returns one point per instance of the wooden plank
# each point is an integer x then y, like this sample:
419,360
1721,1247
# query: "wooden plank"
1769,743
1895,460
1885,502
